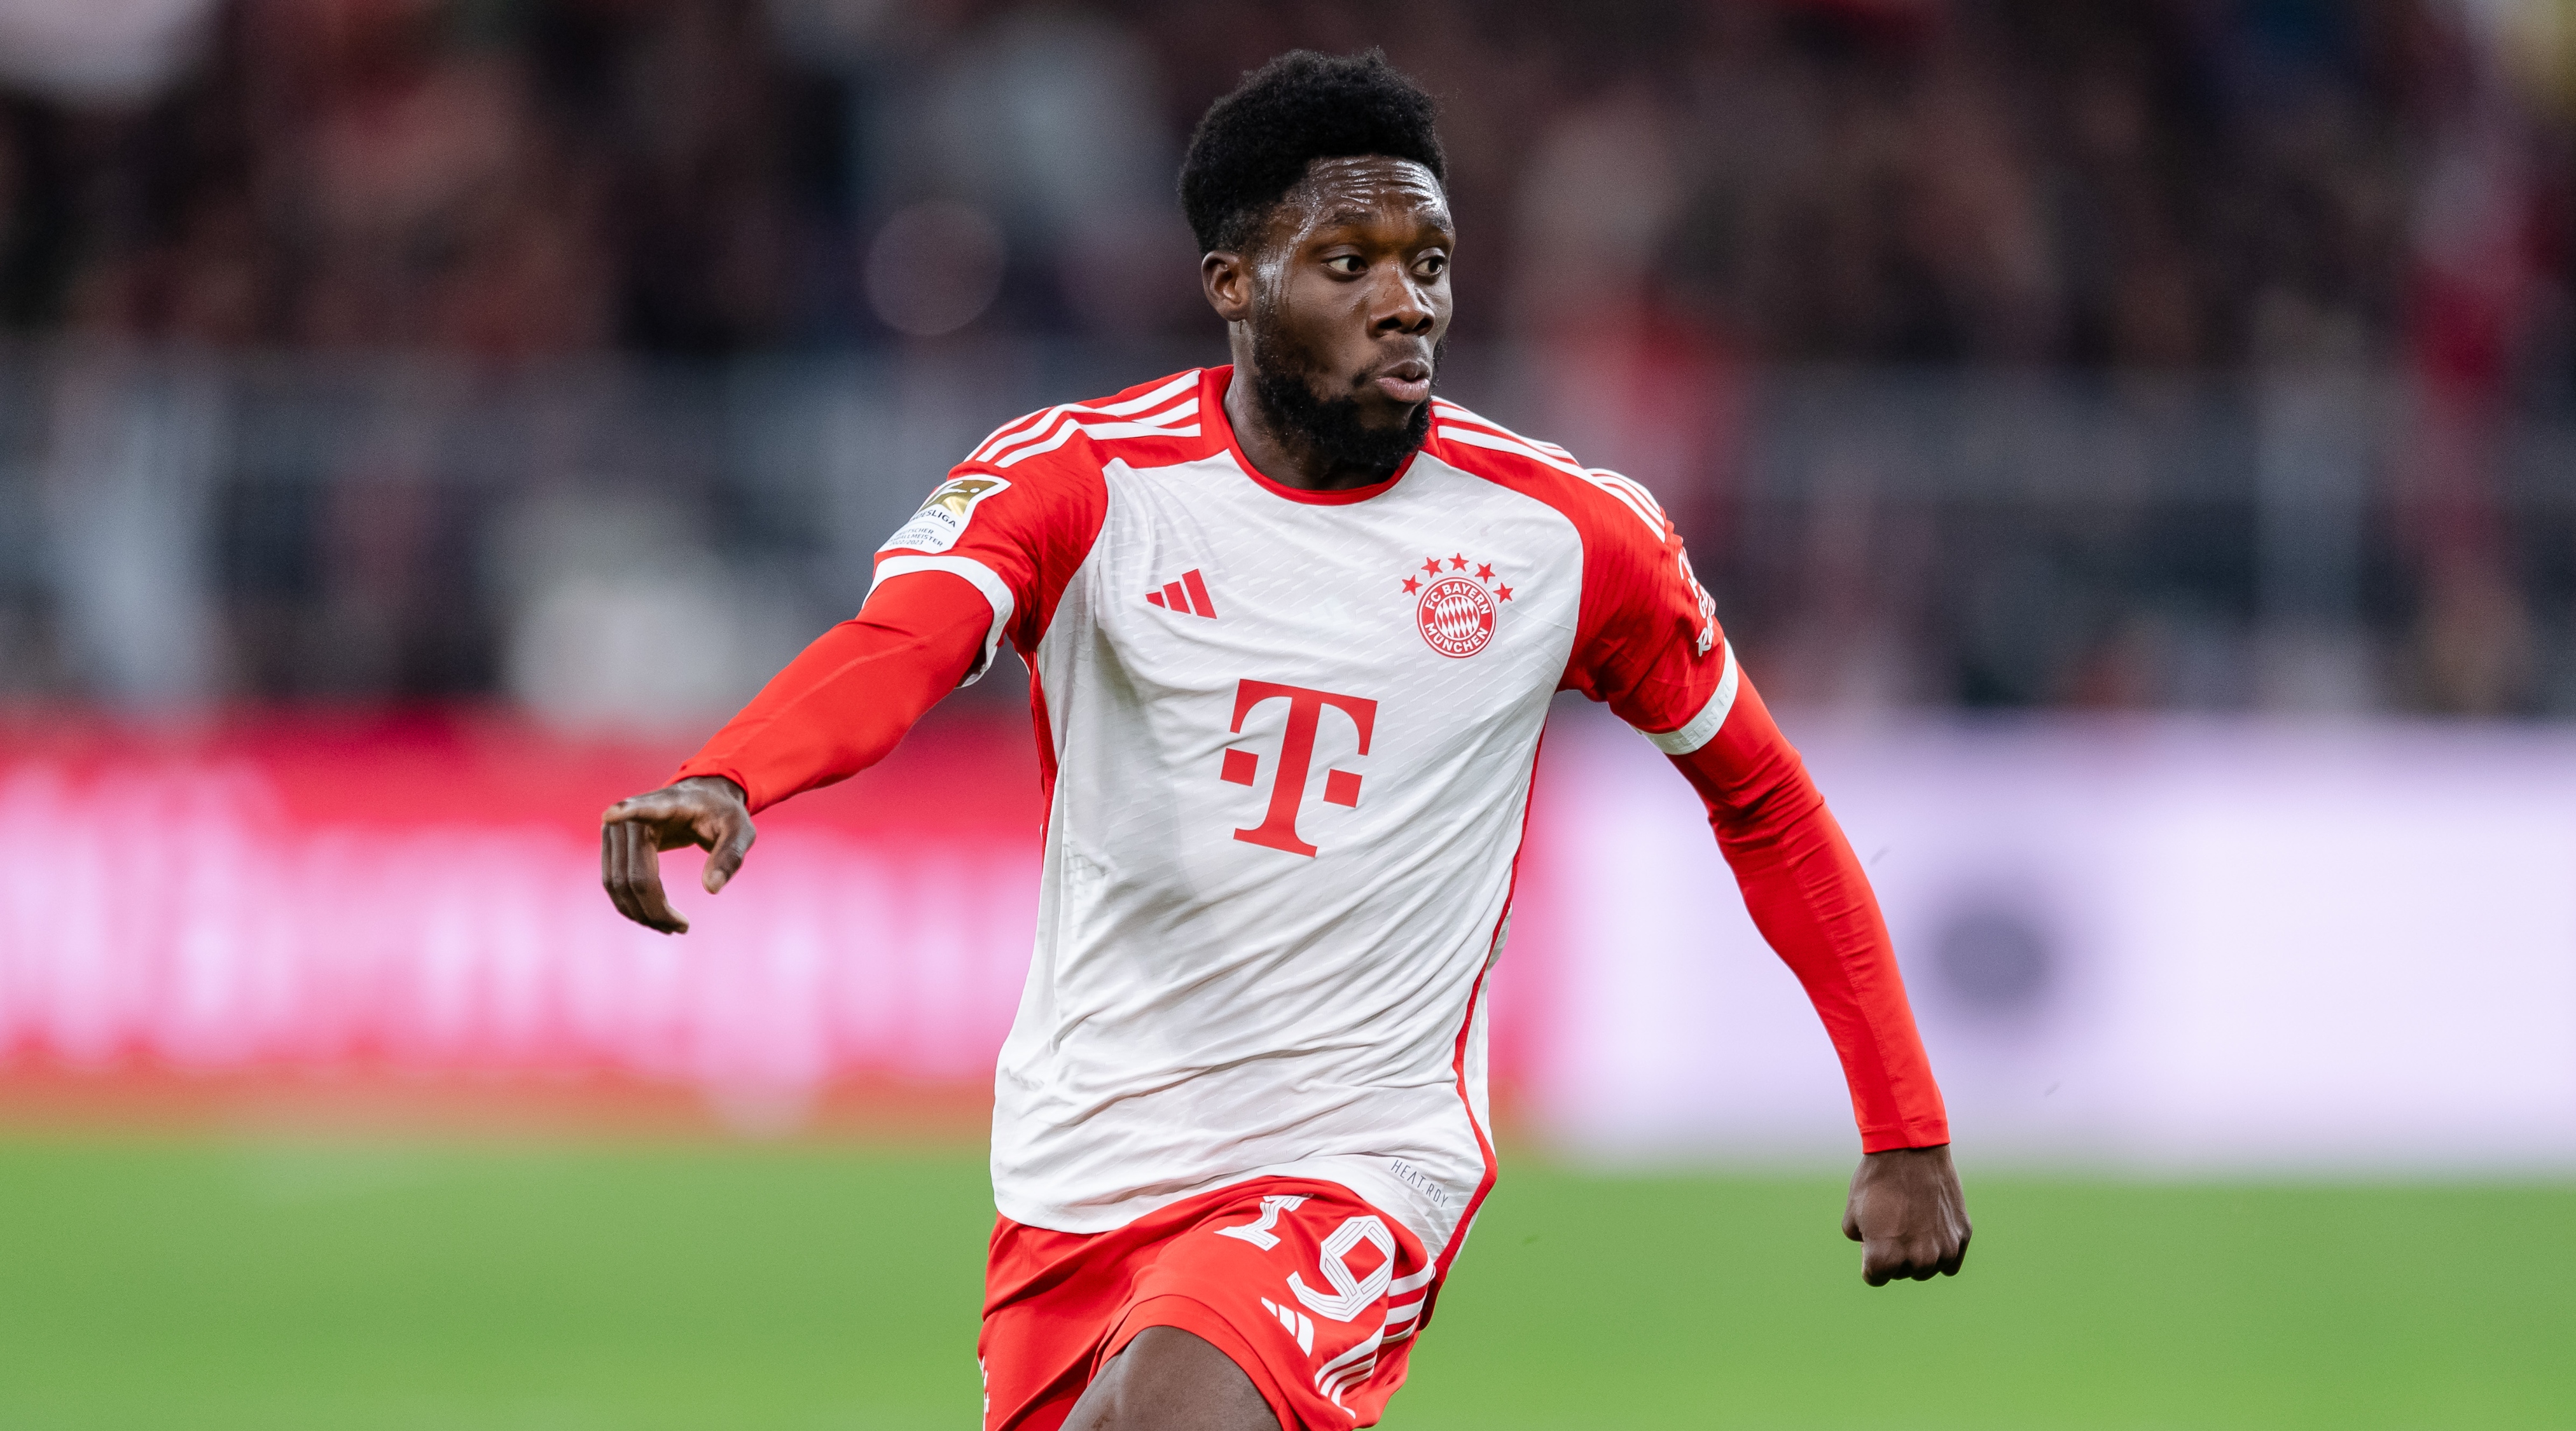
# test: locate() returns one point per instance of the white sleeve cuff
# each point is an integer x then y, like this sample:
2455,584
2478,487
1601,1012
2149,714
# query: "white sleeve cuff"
1700,729
997,594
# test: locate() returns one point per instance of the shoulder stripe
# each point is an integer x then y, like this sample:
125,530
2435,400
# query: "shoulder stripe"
1631,496
1110,431
1635,489
1497,442
1700,729
1024,428
1036,422
1451,410
1151,426
1495,437
1003,454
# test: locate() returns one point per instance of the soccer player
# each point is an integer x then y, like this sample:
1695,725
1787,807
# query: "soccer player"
1292,627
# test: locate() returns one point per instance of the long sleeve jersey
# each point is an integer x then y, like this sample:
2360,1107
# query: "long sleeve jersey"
1287,738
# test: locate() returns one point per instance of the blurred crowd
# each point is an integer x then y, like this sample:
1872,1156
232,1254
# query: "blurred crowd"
2156,182
2339,234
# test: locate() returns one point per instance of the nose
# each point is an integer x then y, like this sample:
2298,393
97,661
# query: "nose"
1399,305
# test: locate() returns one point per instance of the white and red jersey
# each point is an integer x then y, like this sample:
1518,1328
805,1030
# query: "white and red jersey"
1289,738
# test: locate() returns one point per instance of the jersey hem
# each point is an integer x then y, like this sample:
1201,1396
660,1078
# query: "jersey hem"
1349,1172
1908,1135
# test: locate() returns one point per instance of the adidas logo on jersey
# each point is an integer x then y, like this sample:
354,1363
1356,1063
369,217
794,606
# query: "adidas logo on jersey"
1188,596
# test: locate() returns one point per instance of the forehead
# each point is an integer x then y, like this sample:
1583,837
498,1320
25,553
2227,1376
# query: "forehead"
1360,189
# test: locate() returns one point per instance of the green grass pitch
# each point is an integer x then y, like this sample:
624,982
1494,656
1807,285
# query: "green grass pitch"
186,1283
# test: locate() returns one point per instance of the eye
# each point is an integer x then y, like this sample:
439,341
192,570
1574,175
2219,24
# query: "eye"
1349,265
1432,265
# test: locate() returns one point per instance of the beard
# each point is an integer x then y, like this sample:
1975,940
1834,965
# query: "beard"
1284,384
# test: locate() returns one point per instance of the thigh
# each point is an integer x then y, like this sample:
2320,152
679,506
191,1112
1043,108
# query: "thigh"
1167,1379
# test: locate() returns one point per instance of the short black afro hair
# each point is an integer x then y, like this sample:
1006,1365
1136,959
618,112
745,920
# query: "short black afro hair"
1253,145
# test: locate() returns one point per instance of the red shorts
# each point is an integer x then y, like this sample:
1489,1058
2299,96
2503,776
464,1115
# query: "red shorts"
1311,1291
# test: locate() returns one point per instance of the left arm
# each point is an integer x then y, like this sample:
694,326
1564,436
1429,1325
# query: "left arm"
1812,902
1648,644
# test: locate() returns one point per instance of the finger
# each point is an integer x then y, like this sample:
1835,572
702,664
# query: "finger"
648,886
622,873
651,808
608,862
639,874
616,870
728,842
1851,1220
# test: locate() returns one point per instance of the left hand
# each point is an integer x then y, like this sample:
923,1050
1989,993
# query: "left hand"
1908,1215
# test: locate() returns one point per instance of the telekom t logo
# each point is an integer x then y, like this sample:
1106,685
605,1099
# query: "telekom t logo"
1278,829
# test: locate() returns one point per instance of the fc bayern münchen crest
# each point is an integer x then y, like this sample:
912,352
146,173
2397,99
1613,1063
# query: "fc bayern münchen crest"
1455,611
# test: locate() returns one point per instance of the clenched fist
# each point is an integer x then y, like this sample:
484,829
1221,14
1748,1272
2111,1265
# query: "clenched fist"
1908,1215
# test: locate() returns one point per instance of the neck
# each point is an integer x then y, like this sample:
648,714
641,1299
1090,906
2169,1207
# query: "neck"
1274,450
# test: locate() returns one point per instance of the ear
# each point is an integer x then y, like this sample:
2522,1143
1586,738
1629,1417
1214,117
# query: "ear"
1226,279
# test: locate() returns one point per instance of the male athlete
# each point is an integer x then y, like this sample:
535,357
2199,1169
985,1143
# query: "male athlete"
1292,627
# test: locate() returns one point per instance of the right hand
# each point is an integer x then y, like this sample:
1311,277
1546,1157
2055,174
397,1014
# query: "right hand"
704,810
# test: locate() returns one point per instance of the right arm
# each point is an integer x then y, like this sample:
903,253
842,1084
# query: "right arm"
837,709
983,559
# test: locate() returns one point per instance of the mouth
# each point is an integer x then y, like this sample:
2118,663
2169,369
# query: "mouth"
1406,380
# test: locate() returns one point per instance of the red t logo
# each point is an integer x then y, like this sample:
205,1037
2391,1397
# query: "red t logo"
1278,829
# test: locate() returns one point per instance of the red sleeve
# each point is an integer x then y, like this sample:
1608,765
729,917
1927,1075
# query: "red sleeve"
1647,642
1812,902
840,706
987,556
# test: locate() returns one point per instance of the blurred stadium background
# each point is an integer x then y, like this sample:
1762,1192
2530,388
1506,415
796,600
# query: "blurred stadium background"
2134,444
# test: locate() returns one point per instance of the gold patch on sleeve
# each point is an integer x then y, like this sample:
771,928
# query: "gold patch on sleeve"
944,518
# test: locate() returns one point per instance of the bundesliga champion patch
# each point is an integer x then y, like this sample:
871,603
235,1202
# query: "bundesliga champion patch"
1455,611
942,519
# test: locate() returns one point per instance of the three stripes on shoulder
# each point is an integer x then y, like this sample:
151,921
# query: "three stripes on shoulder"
1459,425
1168,411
